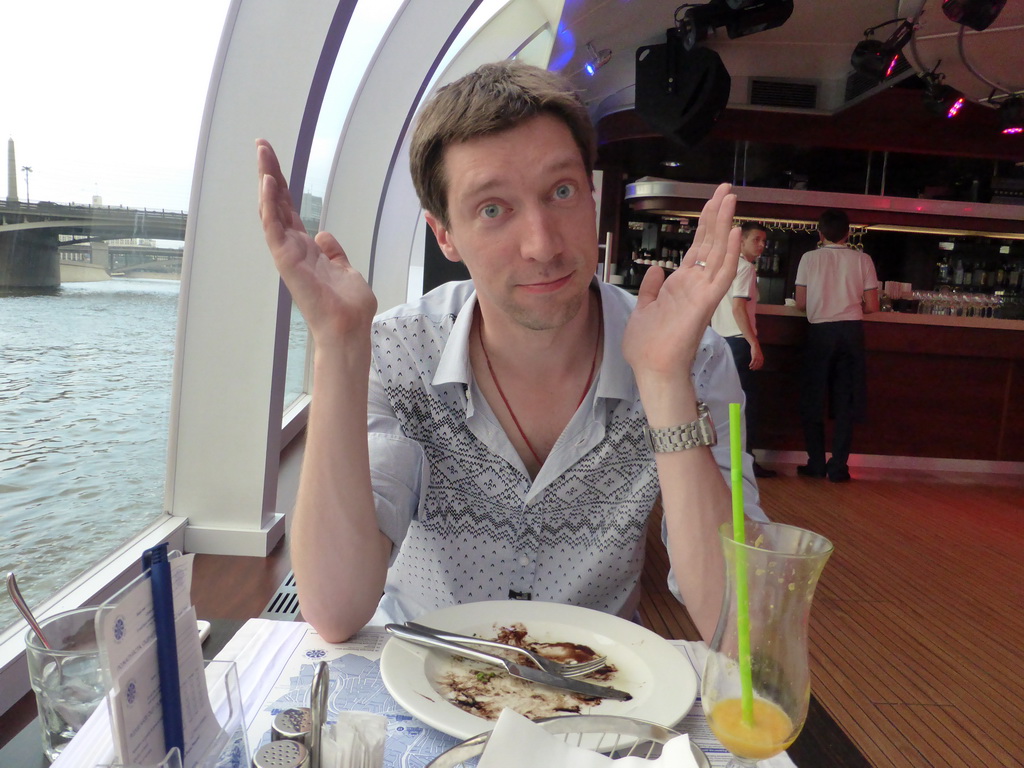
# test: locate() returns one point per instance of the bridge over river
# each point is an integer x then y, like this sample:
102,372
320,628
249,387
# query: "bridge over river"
30,235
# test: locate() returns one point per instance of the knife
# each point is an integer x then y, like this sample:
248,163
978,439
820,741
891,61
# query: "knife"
409,634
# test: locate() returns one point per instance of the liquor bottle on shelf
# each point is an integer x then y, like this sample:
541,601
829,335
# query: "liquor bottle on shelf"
980,275
634,274
1013,279
958,273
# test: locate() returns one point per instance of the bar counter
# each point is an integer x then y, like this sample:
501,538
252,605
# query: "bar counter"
938,386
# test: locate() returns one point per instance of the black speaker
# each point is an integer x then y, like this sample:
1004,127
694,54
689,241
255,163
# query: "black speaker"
681,93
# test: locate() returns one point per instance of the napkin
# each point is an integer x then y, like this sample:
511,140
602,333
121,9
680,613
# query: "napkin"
516,741
355,741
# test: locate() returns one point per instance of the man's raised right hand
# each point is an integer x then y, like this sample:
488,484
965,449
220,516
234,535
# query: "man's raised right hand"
332,296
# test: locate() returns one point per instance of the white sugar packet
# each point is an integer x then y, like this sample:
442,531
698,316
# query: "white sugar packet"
516,741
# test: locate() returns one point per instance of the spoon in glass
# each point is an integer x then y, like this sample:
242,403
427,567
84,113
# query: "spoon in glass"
19,601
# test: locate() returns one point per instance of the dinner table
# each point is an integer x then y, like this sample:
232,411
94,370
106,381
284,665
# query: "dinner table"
822,741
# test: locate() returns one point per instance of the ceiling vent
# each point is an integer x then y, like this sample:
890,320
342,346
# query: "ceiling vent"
787,94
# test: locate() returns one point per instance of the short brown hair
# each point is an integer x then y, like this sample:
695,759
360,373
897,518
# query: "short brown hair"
834,225
495,97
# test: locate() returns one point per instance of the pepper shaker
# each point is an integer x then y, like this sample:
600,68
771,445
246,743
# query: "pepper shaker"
293,724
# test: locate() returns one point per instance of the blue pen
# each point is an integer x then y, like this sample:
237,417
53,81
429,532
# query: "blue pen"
155,560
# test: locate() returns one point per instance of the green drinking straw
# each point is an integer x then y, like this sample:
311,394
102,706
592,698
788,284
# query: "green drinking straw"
739,535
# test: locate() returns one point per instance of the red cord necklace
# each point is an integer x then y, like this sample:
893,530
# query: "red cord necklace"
497,385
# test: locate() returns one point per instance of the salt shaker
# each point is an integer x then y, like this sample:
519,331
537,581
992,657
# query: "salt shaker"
284,753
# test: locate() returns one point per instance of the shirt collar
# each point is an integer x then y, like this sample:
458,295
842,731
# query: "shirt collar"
453,367
615,379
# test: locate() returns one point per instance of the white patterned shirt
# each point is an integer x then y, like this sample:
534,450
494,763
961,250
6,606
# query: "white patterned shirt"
451,492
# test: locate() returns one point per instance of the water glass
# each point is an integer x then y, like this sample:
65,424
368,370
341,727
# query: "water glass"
67,678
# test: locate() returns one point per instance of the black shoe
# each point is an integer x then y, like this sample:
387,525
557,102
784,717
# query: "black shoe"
760,471
806,470
838,474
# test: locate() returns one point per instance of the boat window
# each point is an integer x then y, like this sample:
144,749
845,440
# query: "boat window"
102,142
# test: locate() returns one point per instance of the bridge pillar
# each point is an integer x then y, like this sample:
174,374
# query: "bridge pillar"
100,251
29,259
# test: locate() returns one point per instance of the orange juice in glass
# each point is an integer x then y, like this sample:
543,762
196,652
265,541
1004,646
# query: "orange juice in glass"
770,733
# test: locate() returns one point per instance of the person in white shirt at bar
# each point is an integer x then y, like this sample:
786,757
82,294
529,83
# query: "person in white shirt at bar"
735,320
837,286
488,441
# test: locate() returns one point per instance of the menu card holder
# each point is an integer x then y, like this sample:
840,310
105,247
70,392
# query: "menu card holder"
215,734
231,749
173,760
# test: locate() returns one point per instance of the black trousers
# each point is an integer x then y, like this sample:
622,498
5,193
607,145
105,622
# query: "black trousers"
834,372
748,380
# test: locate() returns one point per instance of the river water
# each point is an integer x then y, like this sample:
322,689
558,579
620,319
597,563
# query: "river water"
85,388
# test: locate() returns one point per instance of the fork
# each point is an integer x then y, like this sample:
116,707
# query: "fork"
555,668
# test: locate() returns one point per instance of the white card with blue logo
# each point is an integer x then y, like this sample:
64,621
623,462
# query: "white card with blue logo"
135,705
124,626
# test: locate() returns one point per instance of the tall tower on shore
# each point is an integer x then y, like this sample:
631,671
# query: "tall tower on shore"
12,173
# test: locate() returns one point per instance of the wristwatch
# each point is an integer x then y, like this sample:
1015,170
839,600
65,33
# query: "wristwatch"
685,436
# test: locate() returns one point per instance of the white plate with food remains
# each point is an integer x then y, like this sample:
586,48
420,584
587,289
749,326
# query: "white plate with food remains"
463,698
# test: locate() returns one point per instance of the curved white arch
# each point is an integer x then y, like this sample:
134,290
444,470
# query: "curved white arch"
225,418
272,73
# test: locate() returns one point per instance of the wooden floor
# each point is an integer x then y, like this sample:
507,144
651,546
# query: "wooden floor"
917,630
917,627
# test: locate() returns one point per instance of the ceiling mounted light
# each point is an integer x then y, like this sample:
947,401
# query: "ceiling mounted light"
1011,115
697,21
939,99
739,17
878,59
597,59
752,16
976,14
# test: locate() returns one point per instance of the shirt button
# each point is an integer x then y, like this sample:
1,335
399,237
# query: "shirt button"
524,561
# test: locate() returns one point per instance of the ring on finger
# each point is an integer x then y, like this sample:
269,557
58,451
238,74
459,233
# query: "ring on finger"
700,264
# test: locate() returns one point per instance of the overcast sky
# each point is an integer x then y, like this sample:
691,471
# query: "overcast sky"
106,98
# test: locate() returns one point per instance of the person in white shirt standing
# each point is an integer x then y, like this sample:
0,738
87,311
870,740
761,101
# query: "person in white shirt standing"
837,286
735,320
